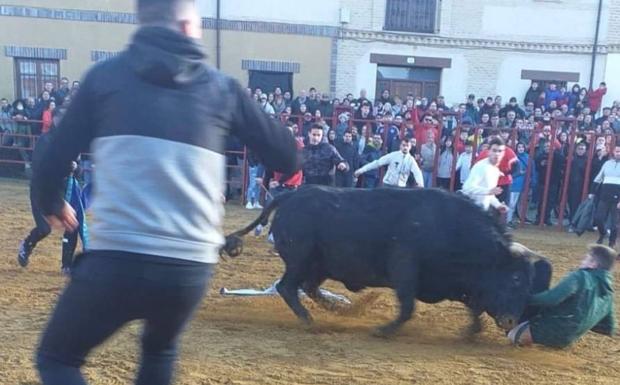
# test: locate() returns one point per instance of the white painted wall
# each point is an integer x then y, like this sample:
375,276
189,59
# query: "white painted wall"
509,82
485,73
560,22
612,78
318,12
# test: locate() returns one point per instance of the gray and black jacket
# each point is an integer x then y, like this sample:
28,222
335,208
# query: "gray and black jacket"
156,119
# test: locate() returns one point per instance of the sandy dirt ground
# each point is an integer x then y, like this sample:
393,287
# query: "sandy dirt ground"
259,341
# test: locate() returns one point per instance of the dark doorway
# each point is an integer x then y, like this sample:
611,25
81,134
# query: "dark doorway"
420,81
268,81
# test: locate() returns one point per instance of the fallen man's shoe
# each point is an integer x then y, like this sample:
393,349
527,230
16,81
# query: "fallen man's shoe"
271,290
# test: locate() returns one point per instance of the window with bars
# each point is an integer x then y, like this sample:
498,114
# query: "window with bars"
411,16
32,74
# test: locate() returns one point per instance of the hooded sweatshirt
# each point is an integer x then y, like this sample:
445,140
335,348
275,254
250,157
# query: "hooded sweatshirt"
582,301
160,173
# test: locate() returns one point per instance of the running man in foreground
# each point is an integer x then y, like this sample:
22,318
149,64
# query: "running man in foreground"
158,187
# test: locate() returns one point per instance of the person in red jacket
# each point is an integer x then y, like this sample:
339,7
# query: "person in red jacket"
47,117
595,97
507,165
421,129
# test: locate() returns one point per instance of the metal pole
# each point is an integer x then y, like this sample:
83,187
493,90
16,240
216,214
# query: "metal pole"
548,174
528,175
218,35
437,150
586,180
567,172
595,46
455,154
244,174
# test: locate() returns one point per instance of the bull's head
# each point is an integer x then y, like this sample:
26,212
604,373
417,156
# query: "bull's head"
509,286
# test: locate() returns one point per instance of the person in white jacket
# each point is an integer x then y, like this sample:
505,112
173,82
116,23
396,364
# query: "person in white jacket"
400,165
481,184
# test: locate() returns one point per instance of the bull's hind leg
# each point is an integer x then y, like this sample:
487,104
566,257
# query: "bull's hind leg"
404,275
288,287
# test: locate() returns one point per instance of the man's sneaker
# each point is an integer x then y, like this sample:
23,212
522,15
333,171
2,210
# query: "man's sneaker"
257,206
270,239
249,205
258,230
24,254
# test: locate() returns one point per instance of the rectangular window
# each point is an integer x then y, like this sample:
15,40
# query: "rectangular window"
32,74
411,16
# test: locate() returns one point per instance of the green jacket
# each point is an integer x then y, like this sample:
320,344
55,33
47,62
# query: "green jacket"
582,301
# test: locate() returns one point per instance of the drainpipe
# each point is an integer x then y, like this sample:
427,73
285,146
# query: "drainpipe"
218,38
595,46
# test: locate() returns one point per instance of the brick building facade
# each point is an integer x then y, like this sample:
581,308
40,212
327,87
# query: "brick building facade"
429,47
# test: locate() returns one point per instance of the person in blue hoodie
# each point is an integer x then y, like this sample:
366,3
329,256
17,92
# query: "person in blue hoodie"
552,93
372,152
74,195
518,181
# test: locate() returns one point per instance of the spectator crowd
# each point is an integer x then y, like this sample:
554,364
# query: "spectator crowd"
32,116
354,133
345,141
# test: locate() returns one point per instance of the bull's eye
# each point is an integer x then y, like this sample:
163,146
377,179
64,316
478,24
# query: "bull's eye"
516,279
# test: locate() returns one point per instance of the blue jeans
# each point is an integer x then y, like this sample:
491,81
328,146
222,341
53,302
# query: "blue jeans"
370,181
253,193
87,172
109,289
428,179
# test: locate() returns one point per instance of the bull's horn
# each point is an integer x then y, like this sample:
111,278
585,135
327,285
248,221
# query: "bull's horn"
518,249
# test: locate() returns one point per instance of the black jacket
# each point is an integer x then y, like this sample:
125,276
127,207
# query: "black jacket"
349,153
160,173
557,167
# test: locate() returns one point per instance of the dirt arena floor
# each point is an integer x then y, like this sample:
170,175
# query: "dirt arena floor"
258,340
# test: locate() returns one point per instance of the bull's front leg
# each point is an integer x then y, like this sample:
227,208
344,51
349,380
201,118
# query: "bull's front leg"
405,276
406,297
475,327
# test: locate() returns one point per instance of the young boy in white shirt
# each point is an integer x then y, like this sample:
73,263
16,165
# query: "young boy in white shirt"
481,184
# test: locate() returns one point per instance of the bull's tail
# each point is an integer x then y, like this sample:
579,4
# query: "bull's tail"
234,242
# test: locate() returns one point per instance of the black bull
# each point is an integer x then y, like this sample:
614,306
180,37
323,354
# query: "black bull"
427,244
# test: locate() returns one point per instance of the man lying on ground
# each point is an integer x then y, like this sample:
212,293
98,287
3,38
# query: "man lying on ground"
581,301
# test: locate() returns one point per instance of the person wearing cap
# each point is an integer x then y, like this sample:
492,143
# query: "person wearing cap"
512,106
471,110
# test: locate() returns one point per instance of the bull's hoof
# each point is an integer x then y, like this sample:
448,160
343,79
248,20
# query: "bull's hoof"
473,330
308,324
385,331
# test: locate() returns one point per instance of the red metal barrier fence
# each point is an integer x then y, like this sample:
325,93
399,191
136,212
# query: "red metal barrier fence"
16,149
